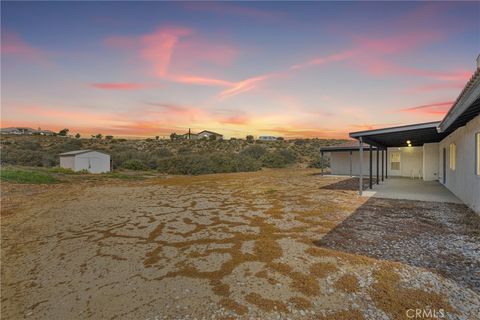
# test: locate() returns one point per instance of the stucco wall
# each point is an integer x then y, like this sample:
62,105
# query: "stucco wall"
411,161
67,162
94,162
340,163
462,181
430,161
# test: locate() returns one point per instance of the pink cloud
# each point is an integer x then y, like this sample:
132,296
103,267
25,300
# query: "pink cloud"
157,47
436,86
119,86
244,86
437,108
15,46
191,79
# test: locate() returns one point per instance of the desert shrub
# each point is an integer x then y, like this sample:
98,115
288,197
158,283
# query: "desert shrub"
195,164
317,162
24,157
278,158
134,164
25,176
254,151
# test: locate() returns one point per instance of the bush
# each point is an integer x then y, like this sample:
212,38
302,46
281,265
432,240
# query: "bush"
317,163
278,158
254,151
134,164
25,176
207,163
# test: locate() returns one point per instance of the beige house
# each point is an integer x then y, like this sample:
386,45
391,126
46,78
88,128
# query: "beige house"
447,151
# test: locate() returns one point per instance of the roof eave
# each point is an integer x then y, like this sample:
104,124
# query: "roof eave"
426,125
461,105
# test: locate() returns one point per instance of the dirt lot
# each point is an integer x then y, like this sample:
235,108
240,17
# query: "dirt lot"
279,244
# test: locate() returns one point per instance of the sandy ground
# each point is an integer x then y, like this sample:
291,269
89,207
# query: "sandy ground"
279,244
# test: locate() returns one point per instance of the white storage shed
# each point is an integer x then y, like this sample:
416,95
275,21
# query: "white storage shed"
90,160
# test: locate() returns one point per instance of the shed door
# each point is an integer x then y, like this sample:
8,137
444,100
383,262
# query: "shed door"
395,163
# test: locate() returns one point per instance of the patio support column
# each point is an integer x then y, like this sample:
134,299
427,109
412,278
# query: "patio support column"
350,163
386,163
383,162
371,178
321,161
378,179
360,187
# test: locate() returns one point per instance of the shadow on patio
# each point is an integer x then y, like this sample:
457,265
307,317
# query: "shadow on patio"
350,184
443,237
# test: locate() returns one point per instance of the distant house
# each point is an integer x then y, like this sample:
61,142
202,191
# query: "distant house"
17,130
267,138
90,160
207,134
24,130
45,132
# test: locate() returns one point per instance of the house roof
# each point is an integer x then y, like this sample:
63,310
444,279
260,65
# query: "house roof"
417,134
352,145
465,108
77,152
217,134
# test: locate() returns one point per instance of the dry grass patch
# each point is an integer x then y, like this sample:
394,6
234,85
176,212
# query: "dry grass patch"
265,304
388,295
343,315
322,269
234,306
347,257
305,284
347,283
300,303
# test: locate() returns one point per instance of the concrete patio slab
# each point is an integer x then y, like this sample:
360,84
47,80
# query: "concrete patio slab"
409,189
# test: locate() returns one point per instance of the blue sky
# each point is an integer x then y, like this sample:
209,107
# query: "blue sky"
309,69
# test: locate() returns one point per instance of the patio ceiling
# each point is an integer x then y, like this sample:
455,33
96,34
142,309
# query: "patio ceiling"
417,134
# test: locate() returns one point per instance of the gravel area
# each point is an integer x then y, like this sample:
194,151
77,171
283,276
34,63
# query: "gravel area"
274,244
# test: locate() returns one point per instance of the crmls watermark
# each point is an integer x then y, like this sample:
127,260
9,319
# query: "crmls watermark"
425,313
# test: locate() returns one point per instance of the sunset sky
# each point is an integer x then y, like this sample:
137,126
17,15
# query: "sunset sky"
238,68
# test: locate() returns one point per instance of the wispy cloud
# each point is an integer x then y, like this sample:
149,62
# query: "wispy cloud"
437,108
119,86
14,45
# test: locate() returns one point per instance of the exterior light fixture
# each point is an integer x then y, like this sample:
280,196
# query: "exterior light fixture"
409,142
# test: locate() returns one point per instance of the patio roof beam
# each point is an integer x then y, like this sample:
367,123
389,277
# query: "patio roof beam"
378,180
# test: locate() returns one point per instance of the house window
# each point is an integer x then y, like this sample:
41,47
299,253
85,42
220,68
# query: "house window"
477,153
395,161
453,156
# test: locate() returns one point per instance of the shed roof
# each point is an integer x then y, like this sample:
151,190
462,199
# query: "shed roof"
77,152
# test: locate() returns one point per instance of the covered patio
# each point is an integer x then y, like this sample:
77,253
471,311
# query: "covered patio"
409,136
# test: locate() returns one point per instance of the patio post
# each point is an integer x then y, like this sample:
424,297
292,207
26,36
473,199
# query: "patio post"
371,178
350,163
383,162
360,186
386,163
378,179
